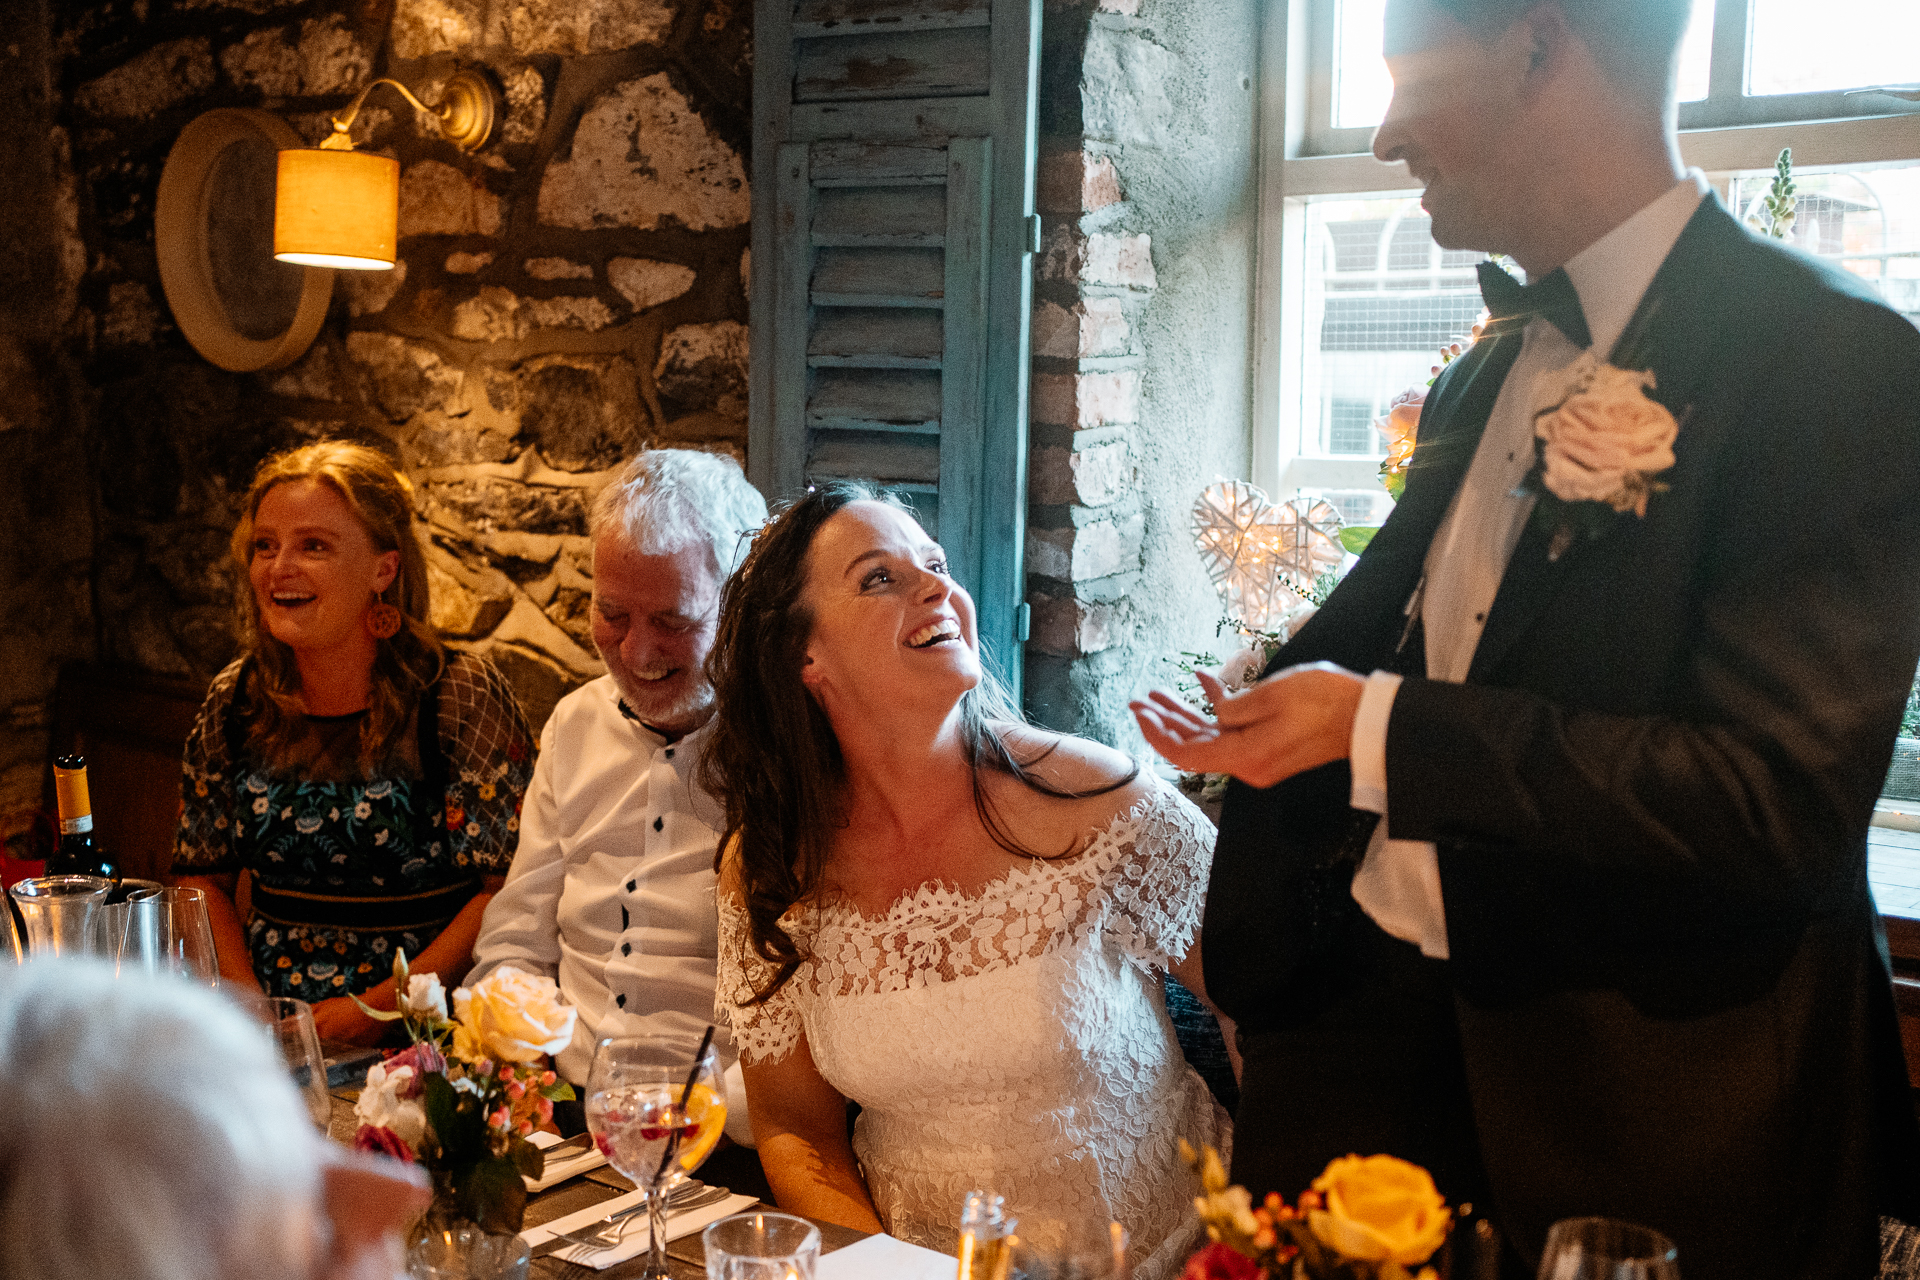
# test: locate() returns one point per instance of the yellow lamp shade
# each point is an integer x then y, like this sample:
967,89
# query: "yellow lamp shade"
337,209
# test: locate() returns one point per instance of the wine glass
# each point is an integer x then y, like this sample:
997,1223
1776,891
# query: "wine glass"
299,1042
169,930
656,1107
1604,1249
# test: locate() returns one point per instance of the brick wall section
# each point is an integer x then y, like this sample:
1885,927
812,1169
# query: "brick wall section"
1085,523
572,292
1141,341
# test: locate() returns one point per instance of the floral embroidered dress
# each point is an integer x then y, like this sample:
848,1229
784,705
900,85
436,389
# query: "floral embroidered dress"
1014,1039
347,867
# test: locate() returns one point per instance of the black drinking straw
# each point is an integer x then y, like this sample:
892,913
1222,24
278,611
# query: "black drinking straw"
673,1138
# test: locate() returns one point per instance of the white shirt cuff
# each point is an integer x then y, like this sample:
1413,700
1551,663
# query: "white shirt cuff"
1367,752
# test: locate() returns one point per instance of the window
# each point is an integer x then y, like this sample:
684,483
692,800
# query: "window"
1356,299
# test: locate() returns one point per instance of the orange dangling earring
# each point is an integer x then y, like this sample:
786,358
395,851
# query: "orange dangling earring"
383,621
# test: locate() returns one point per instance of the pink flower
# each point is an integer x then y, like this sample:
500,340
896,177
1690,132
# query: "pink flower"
547,1078
423,1057
382,1141
1220,1262
543,1107
516,1090
501,1119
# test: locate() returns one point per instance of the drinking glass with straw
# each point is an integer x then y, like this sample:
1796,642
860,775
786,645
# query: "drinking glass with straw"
655,1110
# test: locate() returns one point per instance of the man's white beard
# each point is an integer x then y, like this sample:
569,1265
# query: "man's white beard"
644,700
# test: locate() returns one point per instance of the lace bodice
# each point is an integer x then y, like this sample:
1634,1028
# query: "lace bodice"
1014,1038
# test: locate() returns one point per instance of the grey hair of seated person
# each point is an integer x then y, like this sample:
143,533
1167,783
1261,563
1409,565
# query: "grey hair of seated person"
666,499
150,1132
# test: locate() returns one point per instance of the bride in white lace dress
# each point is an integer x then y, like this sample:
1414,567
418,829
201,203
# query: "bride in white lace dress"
939,913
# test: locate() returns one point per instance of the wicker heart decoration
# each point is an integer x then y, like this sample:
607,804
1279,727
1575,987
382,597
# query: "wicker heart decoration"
1262,556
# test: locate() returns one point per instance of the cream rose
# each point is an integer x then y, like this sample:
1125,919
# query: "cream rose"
1242,670
383,1105
425,997
1379,1208
1606,439
512,1016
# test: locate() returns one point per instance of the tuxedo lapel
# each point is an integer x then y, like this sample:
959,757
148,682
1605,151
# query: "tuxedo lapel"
1672,333
1452,430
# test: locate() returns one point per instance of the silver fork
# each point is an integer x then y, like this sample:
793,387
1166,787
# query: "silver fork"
613,1228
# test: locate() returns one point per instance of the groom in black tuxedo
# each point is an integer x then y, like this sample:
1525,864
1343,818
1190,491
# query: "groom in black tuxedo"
1545,865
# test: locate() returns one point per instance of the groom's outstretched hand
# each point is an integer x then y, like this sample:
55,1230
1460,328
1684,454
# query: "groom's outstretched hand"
1294,720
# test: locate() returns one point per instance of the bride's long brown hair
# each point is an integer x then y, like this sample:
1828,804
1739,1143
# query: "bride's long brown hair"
772,755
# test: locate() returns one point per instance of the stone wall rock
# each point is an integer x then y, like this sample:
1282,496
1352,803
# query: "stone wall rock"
586,26
641,156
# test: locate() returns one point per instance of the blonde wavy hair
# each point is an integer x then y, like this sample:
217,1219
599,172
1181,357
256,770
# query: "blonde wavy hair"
404,664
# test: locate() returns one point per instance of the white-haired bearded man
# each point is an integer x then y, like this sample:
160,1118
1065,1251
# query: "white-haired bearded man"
611,889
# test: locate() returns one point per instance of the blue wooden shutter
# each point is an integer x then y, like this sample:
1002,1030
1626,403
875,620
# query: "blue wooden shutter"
892,214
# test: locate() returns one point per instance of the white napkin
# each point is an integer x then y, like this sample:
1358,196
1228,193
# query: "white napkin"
637,1239
575,1161
885,1258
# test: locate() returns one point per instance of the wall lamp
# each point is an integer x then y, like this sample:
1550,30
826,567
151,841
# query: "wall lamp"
337,207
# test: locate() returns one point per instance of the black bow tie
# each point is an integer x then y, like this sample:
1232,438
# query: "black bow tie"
1552,298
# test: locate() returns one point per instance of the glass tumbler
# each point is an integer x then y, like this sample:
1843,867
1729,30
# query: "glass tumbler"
761,1246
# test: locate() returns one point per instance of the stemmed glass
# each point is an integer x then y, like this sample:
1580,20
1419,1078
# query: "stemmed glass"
1603,1249
299,1043
655,1106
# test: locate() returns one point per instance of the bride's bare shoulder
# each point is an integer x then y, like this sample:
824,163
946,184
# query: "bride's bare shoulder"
1067,763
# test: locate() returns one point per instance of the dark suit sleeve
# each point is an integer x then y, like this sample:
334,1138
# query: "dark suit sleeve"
1754,787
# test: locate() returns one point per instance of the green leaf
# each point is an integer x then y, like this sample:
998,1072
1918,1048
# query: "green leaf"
558,1091
382,1015
493,1195
529,1159
1355,537
455,1119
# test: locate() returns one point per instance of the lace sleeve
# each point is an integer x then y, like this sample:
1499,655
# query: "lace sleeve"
762,1032
1159,885
490,753
204,843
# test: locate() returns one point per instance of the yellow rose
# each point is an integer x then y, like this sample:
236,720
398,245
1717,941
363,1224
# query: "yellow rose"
1379,1208
512,1016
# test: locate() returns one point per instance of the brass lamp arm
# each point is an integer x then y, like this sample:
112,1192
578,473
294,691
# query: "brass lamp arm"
464,113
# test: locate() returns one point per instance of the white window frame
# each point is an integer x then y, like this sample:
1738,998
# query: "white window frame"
1302,156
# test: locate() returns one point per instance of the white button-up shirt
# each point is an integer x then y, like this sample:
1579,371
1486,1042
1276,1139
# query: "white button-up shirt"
1398,883
611,892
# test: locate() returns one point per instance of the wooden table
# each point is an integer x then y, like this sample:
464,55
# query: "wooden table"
686,1260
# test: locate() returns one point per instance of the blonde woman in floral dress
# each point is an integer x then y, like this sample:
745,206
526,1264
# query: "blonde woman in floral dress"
369,780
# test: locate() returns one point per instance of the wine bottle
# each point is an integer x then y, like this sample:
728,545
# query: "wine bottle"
76,854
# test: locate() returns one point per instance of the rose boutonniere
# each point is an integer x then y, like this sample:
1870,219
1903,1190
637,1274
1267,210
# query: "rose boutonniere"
1601,442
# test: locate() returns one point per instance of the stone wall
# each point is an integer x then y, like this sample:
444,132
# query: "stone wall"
46,518
1142,341
571,292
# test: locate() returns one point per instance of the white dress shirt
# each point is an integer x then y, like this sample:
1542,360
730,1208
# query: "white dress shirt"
1398,883
611,892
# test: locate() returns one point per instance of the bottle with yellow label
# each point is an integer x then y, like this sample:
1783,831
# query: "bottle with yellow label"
76,854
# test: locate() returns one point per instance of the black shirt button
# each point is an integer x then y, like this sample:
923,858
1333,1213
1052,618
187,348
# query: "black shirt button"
659,823
620,1000
669,753
626,948
630,885
623,919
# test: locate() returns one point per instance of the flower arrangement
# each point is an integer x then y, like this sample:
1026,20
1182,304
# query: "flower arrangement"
1364,1218
462,1098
